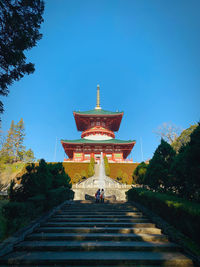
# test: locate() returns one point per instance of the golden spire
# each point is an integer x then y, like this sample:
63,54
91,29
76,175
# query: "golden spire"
98,97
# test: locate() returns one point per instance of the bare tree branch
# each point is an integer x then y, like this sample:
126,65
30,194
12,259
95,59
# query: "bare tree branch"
168,131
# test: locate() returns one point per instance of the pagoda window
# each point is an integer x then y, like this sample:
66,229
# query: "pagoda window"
98,123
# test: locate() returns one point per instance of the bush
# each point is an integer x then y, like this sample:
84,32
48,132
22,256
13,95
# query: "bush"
186,167
38,201
158,171
39,180
139,173
60,178
57,196
183,214
17,215
42,187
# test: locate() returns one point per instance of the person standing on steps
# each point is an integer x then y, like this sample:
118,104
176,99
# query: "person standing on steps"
97,195
102,196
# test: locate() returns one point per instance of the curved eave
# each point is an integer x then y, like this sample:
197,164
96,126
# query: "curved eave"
98,112
97,142
69,145
98,115
82,127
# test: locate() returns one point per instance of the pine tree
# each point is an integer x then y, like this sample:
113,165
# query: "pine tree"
19,135
158,171
8,149
13,148
139,173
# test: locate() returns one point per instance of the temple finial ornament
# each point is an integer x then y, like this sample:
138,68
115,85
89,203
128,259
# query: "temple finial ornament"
98,97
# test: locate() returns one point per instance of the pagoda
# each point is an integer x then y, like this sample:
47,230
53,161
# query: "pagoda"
97,127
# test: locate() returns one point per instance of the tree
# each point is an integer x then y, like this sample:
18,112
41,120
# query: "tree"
183,138
186,167
139,173
13,148
107,167
20,22
158,171
28,156
168,132
60,178
39,180
19,135
8,147
91,167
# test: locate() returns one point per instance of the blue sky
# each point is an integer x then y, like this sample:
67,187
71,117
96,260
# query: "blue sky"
144,54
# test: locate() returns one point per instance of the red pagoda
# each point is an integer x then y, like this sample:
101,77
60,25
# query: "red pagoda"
97,127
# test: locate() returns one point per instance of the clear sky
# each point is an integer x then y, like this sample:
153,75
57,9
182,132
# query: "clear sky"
145,54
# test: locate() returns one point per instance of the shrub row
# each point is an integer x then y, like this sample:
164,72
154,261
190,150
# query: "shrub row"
19,214
183,214
42,187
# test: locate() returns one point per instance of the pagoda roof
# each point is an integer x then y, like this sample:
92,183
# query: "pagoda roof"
83,119
87,141
98,112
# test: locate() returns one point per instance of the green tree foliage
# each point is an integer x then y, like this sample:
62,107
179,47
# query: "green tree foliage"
19,140
184,138
39,180
60,178
7,152
13,149
28,156
91,167
139,173
158,174
186,167
19,31
107,167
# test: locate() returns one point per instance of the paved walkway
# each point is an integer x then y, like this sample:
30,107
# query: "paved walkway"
89,234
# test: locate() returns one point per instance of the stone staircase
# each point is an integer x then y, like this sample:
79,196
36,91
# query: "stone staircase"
90,234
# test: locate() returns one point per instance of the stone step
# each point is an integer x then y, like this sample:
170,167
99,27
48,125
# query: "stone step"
98,237
142,219
82,212
94,216
121,230
96,246
96,258
101,224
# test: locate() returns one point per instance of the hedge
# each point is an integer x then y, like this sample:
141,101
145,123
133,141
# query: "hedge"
125,168
183,214
71,168
19,214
